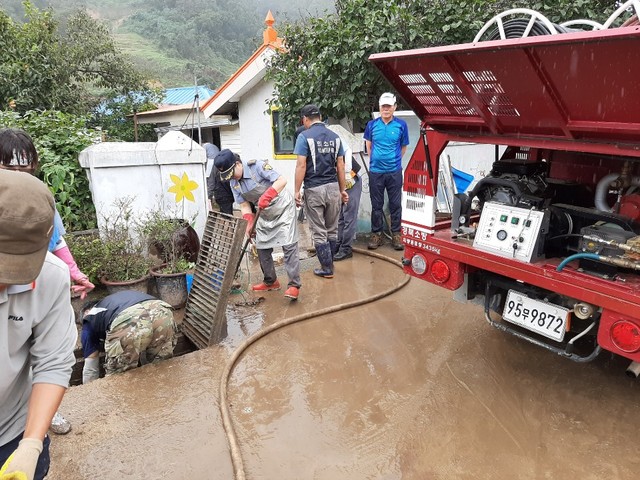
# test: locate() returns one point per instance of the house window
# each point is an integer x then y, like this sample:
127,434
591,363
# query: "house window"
282,138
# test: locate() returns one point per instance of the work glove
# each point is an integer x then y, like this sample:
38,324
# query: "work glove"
21,465
82,283
249,218
267,197
90,369
348,183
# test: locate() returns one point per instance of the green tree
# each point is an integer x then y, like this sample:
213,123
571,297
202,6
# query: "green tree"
44,67
326,59
59,138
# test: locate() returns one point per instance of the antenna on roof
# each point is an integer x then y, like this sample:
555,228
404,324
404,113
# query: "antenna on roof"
197,98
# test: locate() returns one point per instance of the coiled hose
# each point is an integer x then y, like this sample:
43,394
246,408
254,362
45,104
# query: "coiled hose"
225,411
515,28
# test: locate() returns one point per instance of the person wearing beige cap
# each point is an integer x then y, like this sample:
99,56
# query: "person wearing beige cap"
37,328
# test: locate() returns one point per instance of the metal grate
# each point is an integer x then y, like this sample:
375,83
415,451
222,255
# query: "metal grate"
204,319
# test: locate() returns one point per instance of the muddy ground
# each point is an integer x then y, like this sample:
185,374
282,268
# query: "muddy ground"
412,386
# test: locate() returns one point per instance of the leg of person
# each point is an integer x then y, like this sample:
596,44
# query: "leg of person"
163,326
268,271
376,192
128,337
394,190
226,207
315,205
44,460
333,204
350,214
292,264
341,224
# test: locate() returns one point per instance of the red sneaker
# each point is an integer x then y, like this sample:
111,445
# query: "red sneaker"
263,287
292,293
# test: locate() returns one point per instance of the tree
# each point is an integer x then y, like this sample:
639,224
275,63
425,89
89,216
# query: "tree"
59,138
42,67
325,59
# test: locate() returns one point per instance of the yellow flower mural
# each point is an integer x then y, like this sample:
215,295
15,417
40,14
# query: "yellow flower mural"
182,188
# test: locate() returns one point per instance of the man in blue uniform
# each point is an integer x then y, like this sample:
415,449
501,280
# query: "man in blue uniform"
255,181
320,165
386,138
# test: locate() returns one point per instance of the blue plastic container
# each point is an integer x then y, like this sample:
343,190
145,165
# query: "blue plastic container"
461,179
189,277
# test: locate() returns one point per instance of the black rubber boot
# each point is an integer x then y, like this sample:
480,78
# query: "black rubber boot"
323,251
334,247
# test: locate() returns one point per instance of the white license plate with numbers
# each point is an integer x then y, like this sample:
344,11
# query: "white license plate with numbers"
541,317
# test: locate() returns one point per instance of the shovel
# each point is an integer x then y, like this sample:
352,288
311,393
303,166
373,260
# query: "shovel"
247,241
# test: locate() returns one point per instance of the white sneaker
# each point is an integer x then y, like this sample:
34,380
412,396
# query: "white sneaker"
60,425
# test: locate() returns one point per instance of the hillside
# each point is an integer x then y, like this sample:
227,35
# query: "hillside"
179,42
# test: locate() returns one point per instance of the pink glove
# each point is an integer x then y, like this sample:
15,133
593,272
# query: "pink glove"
249,218
267,197
83,285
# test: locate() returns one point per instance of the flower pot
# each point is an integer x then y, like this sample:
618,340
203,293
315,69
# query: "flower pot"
172,287
140,285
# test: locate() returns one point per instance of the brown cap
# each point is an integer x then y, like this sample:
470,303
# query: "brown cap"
26,225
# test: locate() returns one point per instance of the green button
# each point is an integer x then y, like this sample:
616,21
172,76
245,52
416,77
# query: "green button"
503,218
515,220
527,223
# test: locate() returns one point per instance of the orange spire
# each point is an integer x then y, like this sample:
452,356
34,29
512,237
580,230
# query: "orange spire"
270,36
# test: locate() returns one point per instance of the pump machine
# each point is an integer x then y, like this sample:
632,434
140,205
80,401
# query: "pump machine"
548,242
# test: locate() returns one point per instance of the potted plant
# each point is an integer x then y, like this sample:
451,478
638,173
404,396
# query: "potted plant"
176,244
125,263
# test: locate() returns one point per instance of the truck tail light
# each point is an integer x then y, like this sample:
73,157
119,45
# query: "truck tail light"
625,335
419,264
440,271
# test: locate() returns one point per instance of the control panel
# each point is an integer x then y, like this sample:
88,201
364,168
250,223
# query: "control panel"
511,232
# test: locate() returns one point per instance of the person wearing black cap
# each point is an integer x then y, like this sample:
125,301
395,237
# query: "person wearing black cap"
217,190
320,165
255,181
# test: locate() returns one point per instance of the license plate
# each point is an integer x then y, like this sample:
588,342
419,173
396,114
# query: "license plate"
544,318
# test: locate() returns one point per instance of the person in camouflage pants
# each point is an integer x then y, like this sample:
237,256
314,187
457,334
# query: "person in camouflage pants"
135,328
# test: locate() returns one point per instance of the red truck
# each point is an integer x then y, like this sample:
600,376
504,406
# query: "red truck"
548,243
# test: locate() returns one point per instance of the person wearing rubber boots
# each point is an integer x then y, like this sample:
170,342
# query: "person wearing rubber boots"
255,181
320,165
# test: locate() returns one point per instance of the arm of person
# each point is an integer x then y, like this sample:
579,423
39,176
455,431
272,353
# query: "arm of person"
341,179
82,283
301,149
43,404
44,401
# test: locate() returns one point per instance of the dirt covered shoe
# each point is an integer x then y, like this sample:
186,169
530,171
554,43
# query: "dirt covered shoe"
263,287
375,241
60,425
292,292
396,242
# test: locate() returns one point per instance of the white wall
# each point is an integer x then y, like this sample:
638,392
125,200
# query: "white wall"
142,171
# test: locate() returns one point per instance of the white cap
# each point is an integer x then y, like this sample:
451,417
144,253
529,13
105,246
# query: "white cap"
387,99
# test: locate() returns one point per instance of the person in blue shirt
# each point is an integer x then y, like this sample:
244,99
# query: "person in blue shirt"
386,138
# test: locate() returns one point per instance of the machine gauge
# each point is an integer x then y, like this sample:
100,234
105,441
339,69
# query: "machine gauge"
502,234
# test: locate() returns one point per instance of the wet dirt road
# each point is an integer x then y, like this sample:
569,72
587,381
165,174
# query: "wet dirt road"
412,386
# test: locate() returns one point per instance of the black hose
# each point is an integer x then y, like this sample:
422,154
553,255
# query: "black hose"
515,28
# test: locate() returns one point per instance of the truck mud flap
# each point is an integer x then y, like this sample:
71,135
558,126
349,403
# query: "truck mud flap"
563,352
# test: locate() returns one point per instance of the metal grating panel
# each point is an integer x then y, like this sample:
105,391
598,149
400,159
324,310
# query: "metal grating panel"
204,319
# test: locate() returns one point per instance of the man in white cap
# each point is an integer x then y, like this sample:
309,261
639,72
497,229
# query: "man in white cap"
386,138
37,327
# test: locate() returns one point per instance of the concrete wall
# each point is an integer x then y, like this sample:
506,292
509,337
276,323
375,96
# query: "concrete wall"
143,172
